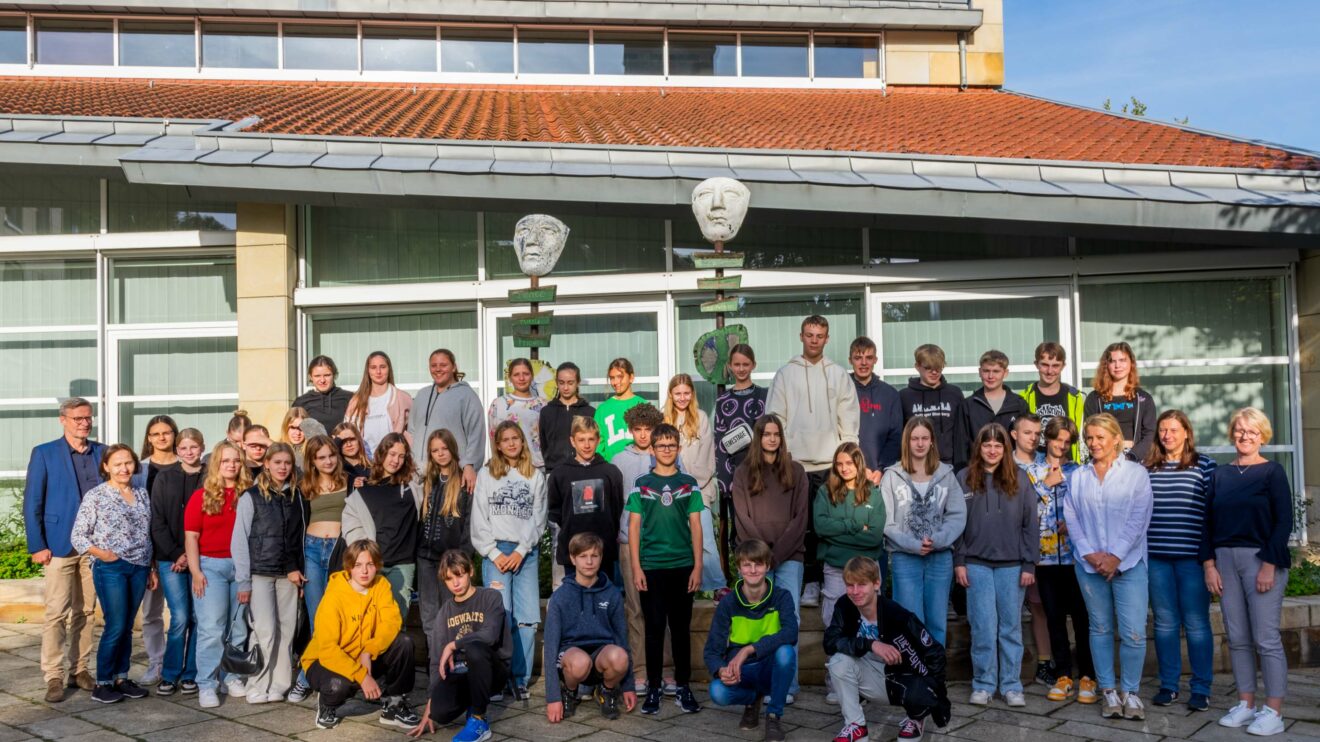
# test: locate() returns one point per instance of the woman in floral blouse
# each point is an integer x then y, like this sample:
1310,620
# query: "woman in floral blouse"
114,526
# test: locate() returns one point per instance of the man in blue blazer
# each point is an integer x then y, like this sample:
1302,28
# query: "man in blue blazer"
58,475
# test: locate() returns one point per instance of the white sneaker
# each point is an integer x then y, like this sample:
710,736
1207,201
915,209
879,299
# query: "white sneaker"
236,688
207,698
1015,698
255,698
832,698
1238,716
811,594
979,698
1268,722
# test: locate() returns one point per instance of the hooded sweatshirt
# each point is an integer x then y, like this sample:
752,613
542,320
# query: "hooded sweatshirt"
1138,425
818,404
940,404
456,409
349,623
556,430
512,508
975,413
881,433
777,516
1001,531
910,516
326,408
586,617
767,625
586,498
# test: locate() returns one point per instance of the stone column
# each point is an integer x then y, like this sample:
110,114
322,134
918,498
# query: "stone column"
267,271
1308,331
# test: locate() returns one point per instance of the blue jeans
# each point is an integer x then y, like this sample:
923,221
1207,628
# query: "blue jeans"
994,610
521,593
921,585
760,677
218,620
1179,600
316,553
1127,595
181,639
712,574
788,576
119,587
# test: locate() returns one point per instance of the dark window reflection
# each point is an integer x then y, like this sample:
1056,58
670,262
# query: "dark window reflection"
703,55
622,53
847,56
553,52
774,56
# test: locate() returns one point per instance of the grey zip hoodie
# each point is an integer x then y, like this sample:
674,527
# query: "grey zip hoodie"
456,409
1001,531
818,404
940,514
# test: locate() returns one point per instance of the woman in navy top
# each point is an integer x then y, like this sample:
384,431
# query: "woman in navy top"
1246,559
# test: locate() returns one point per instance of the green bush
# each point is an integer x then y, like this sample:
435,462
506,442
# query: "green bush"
15,564
1303,579
14,560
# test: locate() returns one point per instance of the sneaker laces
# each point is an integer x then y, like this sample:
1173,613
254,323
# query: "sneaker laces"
909,726
1111,698
850,730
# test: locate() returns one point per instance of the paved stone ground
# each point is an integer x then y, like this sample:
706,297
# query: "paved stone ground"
24,716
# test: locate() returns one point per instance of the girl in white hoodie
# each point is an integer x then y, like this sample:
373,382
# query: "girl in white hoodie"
697,444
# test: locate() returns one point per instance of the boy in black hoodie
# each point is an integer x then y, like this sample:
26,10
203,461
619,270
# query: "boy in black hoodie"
879,650
929,395
586,638
994,402
881,412
586,496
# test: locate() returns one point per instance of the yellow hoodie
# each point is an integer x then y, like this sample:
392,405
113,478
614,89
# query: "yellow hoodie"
349,623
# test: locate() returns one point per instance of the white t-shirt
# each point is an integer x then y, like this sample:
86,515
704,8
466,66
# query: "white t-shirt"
377,424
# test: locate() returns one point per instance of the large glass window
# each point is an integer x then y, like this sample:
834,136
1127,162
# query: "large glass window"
178,366
407,335
398,48
774,56
48,364
320,47
592,341
37,203
155,44
770,246
240,45
147,208
553,52
47,293
476,50
703,55
354,246
596,244
173,290
24,426
75,41
629,53
847,56
13,42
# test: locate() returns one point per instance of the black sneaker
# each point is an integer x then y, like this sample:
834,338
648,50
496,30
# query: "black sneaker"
651,706
751,717
520,693
1046,674
106,694
608,701
910,729
1198,702
166,688
1165,697
397,713
130,689
188,687
326,718
568,697
773,731
686,701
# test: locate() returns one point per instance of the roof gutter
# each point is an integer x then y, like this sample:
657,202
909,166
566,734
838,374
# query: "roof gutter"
962,60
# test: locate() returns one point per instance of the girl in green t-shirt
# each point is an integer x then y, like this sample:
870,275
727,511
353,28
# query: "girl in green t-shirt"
614,435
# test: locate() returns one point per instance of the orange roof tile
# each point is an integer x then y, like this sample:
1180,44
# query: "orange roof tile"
927,121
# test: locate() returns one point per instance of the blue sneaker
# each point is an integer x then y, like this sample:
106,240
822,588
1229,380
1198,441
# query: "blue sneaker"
475,730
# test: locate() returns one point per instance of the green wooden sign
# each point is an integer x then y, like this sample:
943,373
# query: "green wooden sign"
705,260
528,319
724,283
532,296
727,304
540,341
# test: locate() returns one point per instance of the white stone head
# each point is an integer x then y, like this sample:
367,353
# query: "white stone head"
720,205
538,240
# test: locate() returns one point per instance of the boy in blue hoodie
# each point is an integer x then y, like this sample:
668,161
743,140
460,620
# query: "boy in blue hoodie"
751,650
586,637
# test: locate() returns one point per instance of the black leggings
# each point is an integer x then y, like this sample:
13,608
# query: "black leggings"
392,669
1061,597
667,599
812,568
459,693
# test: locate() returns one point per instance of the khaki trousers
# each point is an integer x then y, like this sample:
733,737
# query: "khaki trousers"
70,602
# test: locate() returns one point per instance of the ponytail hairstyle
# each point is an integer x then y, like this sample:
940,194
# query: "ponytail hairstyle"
147,448
265,483
239,424
1006,472
449,502
361,401
447,353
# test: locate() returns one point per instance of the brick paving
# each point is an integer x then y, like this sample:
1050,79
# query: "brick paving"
24,716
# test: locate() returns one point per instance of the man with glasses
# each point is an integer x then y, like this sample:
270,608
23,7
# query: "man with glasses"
58,475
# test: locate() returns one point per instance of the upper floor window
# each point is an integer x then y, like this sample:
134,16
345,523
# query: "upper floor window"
774,55
553,52
240,45
703,54
847,56
476,50
320,47
13,39
75,41
155,44
398,48
629,53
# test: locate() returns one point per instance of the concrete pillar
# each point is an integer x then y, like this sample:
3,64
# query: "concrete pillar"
267,271
1308,316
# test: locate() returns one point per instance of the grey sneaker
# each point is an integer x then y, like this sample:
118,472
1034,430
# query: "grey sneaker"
1132,708
1111,706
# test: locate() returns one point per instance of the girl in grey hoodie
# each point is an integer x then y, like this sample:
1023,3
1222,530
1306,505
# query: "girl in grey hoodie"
925,514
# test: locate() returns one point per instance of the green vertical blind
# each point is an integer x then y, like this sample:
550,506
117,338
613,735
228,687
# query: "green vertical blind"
58,364
178,365
407,337
47,293
164,291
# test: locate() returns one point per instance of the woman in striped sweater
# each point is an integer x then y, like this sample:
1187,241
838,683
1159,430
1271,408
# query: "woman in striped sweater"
1180,480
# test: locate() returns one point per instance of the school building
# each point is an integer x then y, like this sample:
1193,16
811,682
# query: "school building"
197,197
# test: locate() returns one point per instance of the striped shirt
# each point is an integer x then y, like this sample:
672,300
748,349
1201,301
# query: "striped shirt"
1181,498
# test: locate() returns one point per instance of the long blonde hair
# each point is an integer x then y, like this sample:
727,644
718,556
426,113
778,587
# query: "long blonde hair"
294,413
449,504
265,483
690,426
213,486
311,478
499,465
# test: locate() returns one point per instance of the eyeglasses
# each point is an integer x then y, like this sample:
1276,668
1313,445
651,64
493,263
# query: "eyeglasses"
81,420
1239,433
665,446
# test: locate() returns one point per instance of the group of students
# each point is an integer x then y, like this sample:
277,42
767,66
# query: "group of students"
828,482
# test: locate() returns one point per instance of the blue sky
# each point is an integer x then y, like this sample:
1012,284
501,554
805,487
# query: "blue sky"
1250,68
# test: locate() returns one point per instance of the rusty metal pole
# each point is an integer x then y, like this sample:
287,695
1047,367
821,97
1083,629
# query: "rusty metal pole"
536,329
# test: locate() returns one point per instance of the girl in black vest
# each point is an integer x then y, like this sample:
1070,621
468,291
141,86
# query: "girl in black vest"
385,510
267,553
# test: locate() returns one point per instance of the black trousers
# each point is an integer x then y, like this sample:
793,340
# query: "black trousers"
920,697
667,601
392,670
460,692
1061,597
812,569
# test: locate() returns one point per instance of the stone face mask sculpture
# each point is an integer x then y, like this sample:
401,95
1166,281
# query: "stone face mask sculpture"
538,241
719,204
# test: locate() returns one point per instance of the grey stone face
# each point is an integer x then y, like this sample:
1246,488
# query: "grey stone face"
538,240
720,204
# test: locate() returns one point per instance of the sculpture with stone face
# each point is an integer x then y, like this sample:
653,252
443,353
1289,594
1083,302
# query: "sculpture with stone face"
538,241
720,205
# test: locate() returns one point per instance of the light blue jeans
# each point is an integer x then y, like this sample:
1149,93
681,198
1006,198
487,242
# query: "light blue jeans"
788,576
521,593
181,639
218,620
712,575
1179,600
994,610
921,585
1128,595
